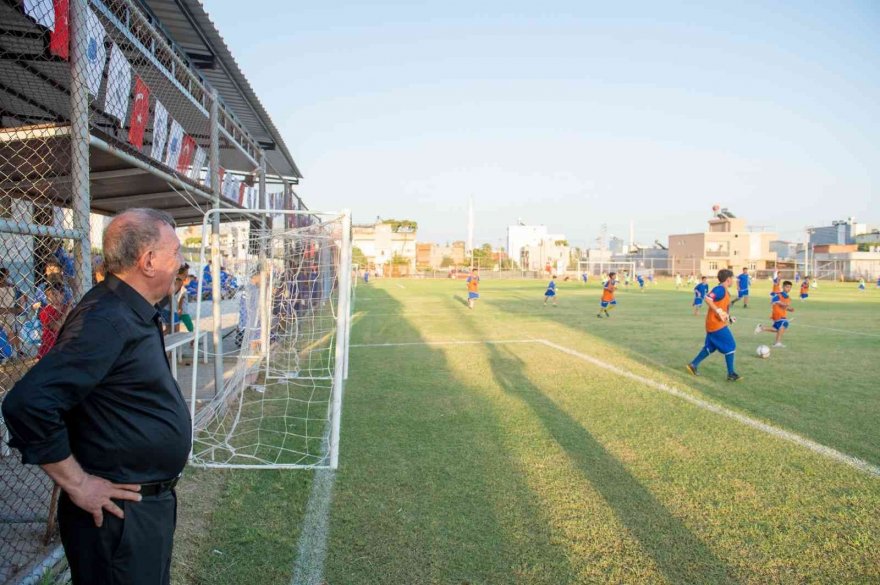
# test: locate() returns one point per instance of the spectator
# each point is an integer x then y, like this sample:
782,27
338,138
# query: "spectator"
52,317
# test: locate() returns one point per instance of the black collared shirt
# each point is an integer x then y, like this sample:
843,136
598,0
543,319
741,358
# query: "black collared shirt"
104,394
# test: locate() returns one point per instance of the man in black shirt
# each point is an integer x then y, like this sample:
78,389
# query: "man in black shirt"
105,419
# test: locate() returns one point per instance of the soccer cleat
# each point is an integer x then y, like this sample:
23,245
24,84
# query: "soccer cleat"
734,377
692,369
759,328
778,345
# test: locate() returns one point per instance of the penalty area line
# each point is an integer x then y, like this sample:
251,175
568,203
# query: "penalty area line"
312,548
450,342
788,436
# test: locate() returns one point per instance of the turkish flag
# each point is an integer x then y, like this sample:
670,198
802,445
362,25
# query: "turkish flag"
187,151
59,38
140,111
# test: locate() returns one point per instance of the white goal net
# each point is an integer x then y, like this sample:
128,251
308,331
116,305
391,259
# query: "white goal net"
281,405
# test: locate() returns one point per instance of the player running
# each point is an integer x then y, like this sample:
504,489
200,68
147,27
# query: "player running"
641,281
550,293
473,284
862,284
677,281
805,288
742,288
718,334
778,314
700,292
608,302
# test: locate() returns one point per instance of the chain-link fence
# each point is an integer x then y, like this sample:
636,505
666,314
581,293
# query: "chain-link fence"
98,112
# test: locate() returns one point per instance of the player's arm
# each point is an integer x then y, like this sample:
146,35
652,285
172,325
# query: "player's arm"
718,310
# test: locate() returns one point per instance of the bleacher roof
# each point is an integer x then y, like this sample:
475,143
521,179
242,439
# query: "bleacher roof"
188,26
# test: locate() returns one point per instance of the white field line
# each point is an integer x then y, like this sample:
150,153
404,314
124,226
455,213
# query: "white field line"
794,438
312,548
828,452
821,328
452,342
399,285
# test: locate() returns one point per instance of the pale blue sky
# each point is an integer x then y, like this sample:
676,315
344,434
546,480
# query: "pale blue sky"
572,114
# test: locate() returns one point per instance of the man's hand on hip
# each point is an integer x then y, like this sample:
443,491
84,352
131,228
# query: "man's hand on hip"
95,494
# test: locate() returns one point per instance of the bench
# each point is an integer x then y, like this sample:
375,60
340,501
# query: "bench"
175,340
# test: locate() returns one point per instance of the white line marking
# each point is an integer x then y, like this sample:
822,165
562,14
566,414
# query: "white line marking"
755,424
789,436
312,548
799,324
452,342
399,285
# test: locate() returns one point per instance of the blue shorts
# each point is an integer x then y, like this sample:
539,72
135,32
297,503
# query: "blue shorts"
698,302
781,324
473,295
804,295
862,286
550,293
604,304
742,293
721,341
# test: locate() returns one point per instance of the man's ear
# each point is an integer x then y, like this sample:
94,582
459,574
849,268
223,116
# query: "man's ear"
146,263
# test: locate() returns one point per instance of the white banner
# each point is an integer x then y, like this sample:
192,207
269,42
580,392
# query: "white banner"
198,163
160,131
175,141
96,53
42,11
118,85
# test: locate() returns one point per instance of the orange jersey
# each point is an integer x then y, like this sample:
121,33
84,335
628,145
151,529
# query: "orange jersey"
779,310
472,283
608,291
721,297
805,286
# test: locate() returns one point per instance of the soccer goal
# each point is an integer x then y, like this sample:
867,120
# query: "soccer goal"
281,405
597,268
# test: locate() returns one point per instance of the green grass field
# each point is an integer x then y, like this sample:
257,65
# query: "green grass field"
517,462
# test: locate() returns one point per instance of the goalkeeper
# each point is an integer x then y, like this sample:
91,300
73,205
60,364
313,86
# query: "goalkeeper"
718,334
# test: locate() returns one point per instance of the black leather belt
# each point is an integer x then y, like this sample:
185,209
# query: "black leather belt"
160,487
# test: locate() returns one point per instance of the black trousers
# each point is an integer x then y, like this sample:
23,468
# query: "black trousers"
133,551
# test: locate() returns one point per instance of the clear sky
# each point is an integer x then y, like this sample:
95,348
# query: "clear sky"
572,114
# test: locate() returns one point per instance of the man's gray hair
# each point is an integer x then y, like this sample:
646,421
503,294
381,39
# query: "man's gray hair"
129,234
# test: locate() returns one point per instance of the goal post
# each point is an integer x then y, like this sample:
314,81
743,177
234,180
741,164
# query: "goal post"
597,267
281,404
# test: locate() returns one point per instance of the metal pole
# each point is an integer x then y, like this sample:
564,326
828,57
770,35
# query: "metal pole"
264,268
79,146
341,339
214,156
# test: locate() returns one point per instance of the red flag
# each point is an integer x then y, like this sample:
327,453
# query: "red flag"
242,189
187,151
140,111
59,38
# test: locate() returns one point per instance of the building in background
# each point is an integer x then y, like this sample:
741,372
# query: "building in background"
532,247
840,232
389,246
784,250
726,244
430,256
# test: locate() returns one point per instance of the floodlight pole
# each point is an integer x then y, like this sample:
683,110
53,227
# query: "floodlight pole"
79,146
216,293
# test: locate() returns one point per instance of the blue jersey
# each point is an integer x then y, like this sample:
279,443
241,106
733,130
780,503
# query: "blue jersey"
743,281
701,290
552,285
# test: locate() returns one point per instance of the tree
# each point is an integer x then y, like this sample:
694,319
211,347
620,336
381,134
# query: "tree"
446,262
358,257
397,260
402,225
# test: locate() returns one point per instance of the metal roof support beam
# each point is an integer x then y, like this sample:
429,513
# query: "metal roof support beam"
153,170
129,199
79,146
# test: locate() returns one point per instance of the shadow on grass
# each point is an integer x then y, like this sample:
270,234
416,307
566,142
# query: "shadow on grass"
679,554
460,299
427,491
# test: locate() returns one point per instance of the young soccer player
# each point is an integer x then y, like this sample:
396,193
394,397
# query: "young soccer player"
718,334
608,302
584,277
700,292
805,288
742,288
641,281
550,293
677,281
862,284
52,317
778,312
473,283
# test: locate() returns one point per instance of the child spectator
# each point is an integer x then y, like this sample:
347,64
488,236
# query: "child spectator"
52,316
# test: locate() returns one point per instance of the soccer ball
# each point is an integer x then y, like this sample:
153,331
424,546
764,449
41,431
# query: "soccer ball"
763,351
